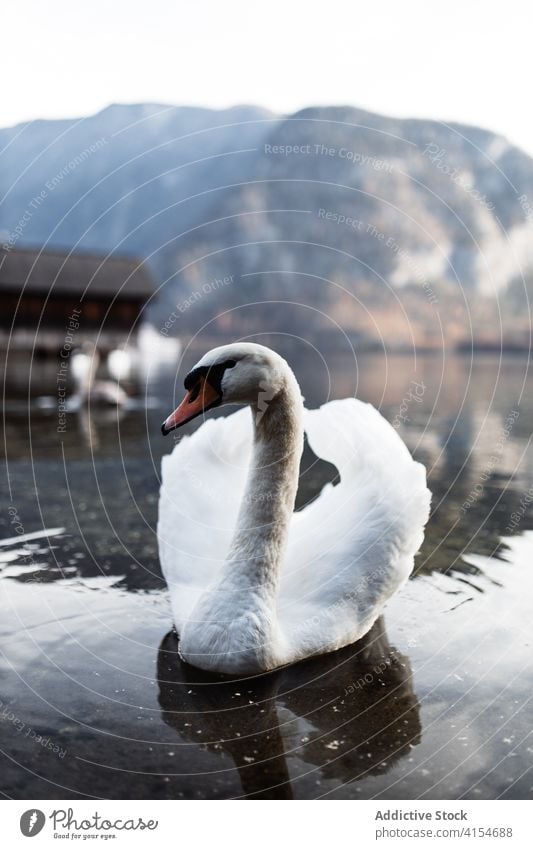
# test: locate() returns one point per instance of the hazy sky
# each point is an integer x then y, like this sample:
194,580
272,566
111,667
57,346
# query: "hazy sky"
462,60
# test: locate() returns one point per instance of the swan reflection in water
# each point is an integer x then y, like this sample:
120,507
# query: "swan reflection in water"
345,715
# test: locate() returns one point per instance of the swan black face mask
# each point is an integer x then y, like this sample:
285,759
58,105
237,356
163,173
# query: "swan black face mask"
204,391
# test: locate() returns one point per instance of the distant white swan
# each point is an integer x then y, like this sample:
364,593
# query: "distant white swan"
83,367
253,585
156,353
119,364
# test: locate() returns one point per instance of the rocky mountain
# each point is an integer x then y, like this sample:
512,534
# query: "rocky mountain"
329,221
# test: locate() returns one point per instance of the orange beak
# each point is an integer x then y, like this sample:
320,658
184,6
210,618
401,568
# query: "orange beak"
200,398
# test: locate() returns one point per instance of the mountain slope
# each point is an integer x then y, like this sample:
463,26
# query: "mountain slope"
401,228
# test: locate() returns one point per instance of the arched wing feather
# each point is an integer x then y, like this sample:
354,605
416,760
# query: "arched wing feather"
352,547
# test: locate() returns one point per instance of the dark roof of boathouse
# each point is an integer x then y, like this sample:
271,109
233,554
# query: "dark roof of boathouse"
60,272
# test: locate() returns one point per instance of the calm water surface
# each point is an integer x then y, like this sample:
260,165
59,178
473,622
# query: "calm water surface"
434,703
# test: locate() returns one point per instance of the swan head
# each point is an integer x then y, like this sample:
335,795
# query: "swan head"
242,373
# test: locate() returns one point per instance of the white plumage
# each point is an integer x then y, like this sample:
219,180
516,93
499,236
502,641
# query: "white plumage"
323,584
119,364
83,368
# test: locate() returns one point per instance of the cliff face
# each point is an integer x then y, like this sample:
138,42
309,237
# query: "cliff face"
409,230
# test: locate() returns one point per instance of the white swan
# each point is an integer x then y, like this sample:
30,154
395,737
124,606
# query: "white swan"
253,585
83,367
119,364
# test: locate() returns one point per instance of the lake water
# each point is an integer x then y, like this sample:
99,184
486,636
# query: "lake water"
434,703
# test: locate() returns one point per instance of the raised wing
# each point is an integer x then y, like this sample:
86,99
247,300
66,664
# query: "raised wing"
354,546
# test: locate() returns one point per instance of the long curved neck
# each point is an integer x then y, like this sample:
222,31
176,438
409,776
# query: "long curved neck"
262,528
